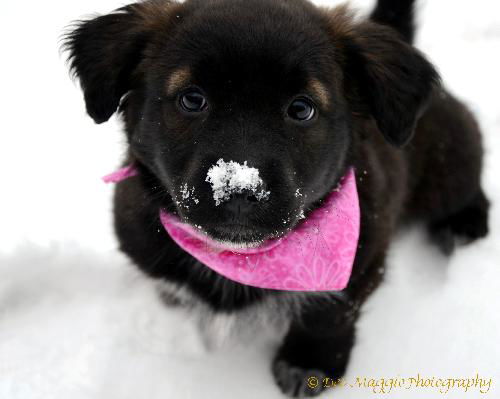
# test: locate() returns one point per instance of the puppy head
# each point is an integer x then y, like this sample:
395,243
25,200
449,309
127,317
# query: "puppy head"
262,92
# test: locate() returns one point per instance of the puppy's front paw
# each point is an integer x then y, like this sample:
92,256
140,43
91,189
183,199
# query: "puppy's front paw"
297,382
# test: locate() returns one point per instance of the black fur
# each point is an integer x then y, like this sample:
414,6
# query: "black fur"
251,58
392,78
104,53
398,14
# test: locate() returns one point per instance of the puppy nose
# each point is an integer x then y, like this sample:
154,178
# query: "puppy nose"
241,204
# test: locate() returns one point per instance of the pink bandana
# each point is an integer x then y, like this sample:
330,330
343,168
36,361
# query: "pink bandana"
315,256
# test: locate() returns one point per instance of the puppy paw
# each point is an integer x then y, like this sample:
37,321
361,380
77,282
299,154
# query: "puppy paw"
462,227
297,382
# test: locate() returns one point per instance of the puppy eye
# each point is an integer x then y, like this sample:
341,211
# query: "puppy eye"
301,109
193,101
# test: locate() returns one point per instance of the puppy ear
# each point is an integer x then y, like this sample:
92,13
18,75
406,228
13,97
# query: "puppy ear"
386,77
105,52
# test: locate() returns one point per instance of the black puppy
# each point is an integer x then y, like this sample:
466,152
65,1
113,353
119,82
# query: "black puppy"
302,93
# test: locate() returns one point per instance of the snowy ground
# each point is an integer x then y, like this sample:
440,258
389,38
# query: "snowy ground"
76,321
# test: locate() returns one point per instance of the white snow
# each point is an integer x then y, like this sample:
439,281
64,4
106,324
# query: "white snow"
188,193
78,321
231,177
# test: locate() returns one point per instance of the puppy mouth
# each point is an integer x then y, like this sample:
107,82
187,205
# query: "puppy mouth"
237,236
246,233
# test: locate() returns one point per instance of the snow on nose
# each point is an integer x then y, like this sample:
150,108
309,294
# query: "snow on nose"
231,177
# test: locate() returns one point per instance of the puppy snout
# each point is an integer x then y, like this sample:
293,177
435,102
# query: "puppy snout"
241,204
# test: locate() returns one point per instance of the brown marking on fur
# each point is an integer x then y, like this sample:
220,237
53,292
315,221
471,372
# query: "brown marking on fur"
178,79
319,91
340,23
156,14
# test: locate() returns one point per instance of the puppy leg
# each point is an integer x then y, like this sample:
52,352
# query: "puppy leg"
466,225
446,158
319,341
316,347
